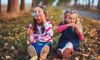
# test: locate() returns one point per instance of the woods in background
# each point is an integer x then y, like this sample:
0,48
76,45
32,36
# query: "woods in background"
98,6
13,5
22,5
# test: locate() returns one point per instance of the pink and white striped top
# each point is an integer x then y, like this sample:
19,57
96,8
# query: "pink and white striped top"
42,37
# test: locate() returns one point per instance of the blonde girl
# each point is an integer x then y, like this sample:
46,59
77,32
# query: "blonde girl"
71,34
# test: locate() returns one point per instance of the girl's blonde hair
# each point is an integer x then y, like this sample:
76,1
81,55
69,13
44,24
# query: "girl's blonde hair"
78,22
78,19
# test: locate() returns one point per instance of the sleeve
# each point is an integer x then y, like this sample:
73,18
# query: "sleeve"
32,38
48,28
30,34
80,32
81,36
61,27
29,26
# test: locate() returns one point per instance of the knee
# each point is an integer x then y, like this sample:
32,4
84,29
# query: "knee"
67,53
43,56
45,50
44,53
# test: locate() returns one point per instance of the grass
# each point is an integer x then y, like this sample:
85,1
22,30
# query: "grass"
13,39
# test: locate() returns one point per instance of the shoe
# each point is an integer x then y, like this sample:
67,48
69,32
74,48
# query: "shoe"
34,58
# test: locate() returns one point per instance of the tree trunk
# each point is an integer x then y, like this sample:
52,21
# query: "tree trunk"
0,6
89,3
12,6
92,2
84,3
98,6
33,3
16,5
45,2
75,2
22,5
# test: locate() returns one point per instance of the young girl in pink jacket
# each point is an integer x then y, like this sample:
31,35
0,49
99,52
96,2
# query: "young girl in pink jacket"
71,35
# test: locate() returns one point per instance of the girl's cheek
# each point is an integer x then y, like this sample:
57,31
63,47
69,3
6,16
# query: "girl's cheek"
74,21
41,15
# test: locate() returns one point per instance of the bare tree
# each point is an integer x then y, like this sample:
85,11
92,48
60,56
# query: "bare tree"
45,2
0,6
33,3
89,3
22,5
75,2
98,6
16,5
92,2
84,5
12,5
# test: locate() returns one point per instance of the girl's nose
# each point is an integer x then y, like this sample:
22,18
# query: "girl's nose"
37,12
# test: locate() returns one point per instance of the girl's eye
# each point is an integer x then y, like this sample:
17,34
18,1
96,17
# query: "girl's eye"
34,11
71,18
39,11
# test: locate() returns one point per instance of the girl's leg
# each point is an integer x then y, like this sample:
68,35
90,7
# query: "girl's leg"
44,52
67,50
67,53
32,52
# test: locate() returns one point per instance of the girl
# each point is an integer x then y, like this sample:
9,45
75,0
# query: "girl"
71,30
39,33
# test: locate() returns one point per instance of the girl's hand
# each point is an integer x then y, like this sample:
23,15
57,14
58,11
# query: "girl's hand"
71,24
76,28
43,18
78,32
29,31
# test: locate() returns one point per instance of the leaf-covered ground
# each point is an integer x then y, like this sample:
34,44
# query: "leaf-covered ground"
13,39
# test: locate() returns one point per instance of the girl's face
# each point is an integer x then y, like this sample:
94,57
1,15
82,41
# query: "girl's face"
71,18
39,14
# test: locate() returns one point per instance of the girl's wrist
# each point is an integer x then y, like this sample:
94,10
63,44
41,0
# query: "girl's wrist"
67,25
79,33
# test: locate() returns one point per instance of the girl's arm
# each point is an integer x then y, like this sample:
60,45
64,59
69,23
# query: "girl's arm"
62,27
30,33
29,30
48,28
79,33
